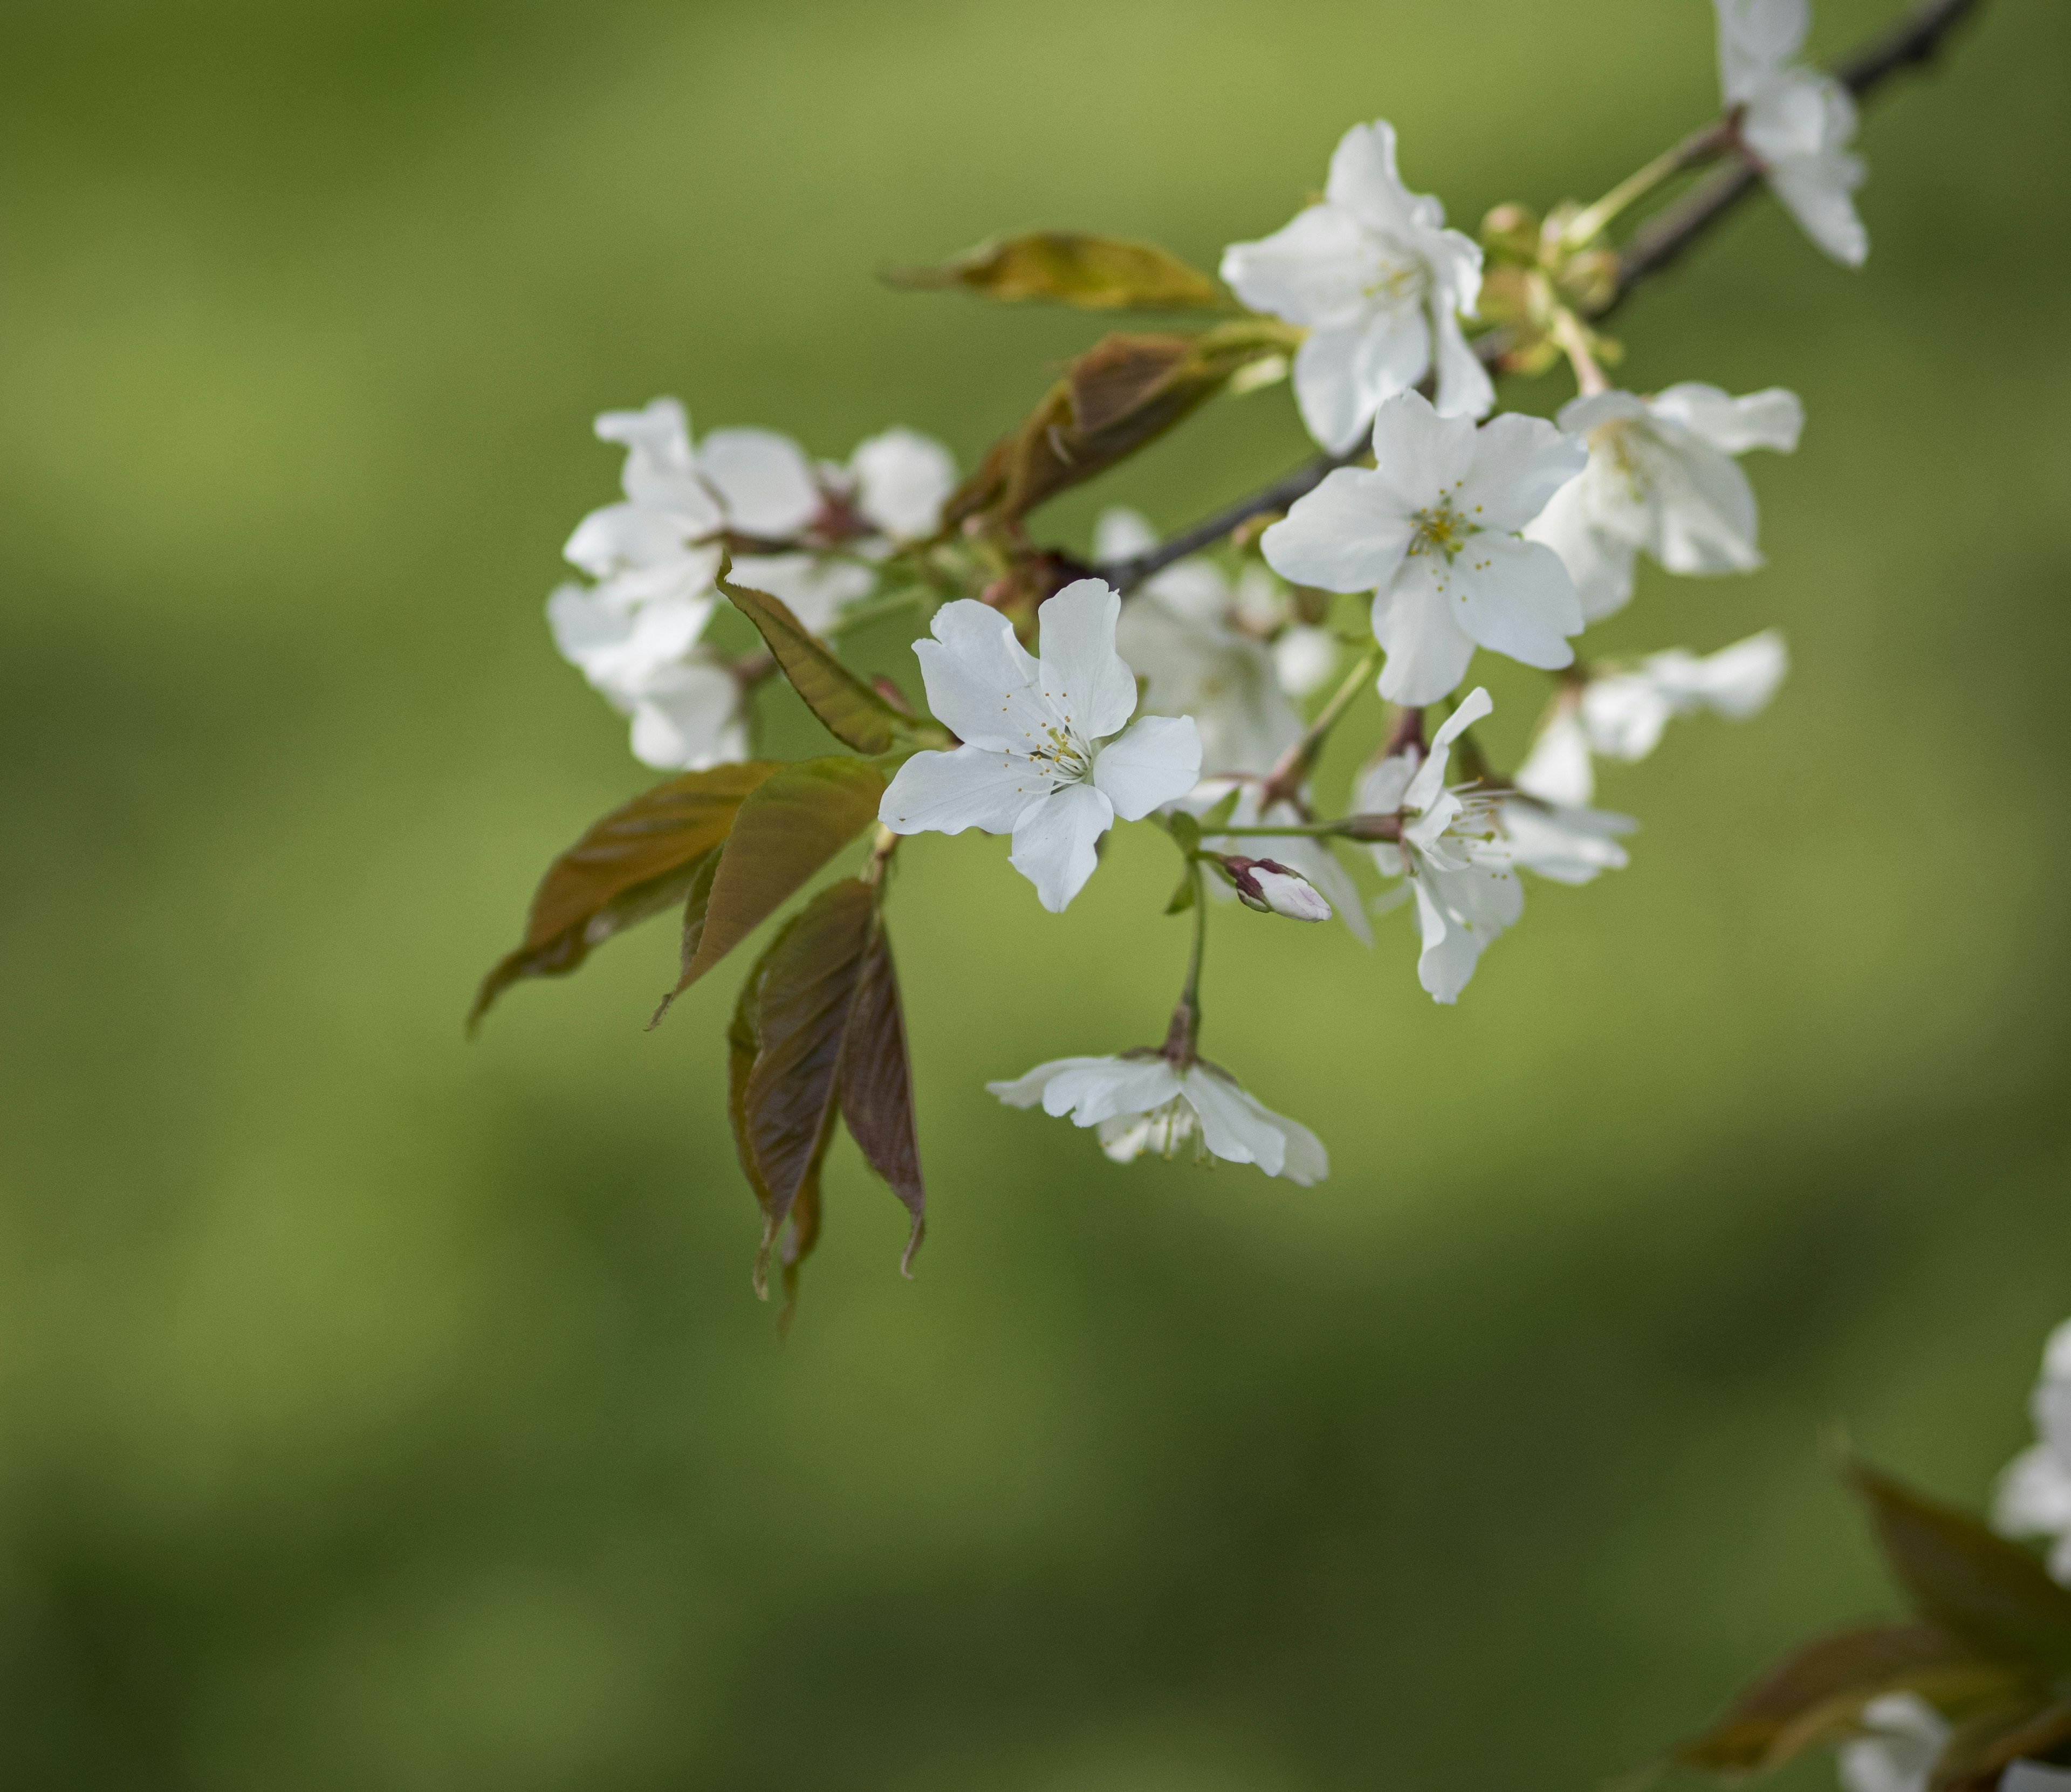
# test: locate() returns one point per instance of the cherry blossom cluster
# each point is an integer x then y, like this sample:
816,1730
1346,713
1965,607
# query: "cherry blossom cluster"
1197,699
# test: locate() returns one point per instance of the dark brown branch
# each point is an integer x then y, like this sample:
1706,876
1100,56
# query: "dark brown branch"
1914,39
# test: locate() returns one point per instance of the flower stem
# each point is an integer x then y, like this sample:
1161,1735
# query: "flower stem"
1185,1032
1699,146
1574,340
1295,763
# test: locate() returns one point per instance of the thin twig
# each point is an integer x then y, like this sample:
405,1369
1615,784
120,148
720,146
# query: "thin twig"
1914,39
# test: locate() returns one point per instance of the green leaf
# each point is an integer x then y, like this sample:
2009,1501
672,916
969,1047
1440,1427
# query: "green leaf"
1096,273
817,1031
851,711
1968,1579
796,820
697,904
1182,898
1119,396
635,863
1813,1694
1184,829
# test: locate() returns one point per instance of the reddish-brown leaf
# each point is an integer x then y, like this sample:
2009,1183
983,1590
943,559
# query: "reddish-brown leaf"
877,1086
796,820
635,863
1966,1579
1813,1695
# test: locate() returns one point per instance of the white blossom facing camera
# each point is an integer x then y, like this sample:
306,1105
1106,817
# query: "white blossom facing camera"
1379,285
1797,122
1899,1738
1044,757
1661,479
1459,849
1621,715
1432,531
2034,1496
1143,1101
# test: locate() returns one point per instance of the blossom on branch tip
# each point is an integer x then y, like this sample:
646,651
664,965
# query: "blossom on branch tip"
2034,1496
1459,849
1045,755
1621,715
1661,478
1433,532
1381,285
1143,1101
1796,122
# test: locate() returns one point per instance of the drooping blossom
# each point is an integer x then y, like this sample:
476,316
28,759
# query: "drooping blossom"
1797,122
1143,1101
1379,285
1433,532
1661,478
1460,850
1899,1738
2034,1496
1621,715
1045,756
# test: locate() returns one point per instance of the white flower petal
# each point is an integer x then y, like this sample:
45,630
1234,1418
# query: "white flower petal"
1464,388
1082,677
1157,761
1756,38
1558,769
1519,463
1364,181
1313,271
903,479
618,649
1515,597
1430,779
1304,659
1121,534
2033,1497
1099,1089
1570,845
1417,455
1025,1091
1600,562
946,793
690,716
1816,190
1233,1120
1054,842
1428,651
981,682
1905,1737
1772,419
1703,517
815,588
1350,534
1327,389
764,480
1624,716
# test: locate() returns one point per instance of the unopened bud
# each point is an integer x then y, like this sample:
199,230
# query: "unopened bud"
1272,889
1511,232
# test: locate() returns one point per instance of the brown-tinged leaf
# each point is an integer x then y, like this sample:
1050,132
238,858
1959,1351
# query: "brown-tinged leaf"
1813,1695
851,711
1123,393
1967,1579
794,822
795,1013
697,904
877,1086
635,863
1989,1743
1065,267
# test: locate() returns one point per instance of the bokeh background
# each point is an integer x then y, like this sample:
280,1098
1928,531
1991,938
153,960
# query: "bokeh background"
382,1410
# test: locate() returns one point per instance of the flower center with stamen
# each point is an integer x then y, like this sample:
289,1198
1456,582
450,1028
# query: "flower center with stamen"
1063,755
1398,279
1441,530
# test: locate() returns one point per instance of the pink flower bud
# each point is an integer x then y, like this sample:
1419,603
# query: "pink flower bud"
1272,889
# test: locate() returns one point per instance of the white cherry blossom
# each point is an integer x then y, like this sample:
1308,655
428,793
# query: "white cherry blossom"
1797,122
1899,1738
1144,1102
900,480
2034,1496
1045,756
1661,478
1379,285
1459,850
1194,640
1621,715
1432,531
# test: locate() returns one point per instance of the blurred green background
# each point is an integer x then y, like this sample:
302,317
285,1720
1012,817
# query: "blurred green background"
384,1411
